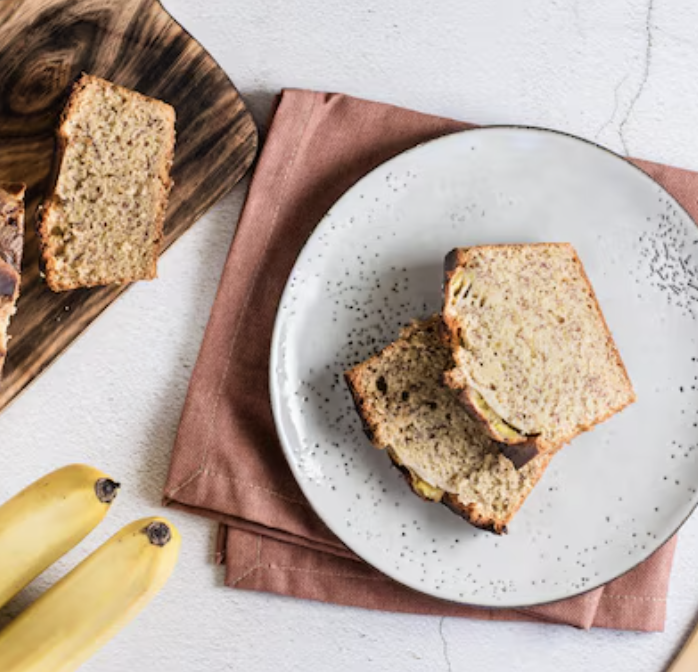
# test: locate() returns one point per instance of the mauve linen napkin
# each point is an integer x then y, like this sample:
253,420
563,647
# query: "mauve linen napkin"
227,463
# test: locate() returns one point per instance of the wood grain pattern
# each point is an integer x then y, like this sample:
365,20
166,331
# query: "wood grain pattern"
44,47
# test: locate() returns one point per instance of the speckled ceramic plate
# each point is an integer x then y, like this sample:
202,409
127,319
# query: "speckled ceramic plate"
611,497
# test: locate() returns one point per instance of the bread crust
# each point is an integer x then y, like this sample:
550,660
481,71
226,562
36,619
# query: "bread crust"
48,262
525,448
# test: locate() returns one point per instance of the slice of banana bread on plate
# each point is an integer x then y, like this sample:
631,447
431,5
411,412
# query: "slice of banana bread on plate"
535,362
102,224
445,454
11,246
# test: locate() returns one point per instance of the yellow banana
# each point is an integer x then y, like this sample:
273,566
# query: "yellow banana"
90,604
48,518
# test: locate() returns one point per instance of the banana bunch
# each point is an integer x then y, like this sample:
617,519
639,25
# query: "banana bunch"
104,592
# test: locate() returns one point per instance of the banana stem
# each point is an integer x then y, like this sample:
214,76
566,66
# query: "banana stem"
106,490
158,533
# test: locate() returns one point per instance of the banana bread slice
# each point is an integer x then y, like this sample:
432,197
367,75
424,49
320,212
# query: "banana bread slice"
102,223
444,454
11,246
535,361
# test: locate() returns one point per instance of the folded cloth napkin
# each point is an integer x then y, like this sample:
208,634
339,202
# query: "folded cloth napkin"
227,462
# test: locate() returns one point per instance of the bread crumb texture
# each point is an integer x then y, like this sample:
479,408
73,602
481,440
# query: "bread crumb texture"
530,343
103,222
407,409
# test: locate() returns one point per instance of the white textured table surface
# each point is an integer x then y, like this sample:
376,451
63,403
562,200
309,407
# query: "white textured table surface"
620,72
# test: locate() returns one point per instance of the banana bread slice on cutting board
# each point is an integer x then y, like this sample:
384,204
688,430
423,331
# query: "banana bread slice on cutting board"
103,222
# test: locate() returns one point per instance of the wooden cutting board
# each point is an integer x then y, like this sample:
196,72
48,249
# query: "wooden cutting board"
44,46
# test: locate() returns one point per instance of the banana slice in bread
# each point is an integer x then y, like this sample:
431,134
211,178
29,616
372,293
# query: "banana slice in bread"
535,362
444,454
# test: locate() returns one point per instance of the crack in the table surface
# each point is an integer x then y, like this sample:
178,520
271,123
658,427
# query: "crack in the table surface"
444,644
616,102
645,76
